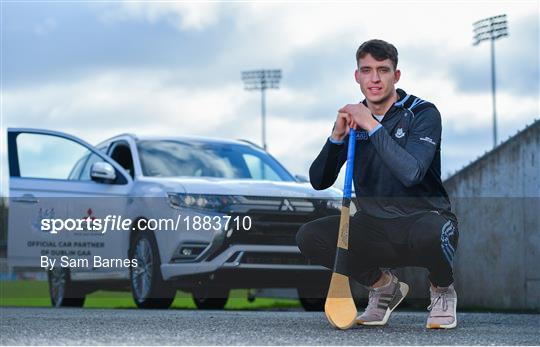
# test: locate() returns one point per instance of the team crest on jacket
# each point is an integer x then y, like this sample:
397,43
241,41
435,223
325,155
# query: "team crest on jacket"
399,133
362,135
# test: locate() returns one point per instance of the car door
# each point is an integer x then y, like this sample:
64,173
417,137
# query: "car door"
50,181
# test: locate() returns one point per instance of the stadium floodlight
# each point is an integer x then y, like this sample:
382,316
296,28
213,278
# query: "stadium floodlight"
491,28
262,80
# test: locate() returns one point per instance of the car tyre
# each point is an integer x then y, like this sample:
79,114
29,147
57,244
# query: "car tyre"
148,289
312,300
210,298
62,291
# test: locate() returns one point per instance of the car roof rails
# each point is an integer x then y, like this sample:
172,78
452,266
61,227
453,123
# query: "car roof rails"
251,143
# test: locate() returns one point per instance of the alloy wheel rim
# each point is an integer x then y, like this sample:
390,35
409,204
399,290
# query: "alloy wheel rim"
141,276
58,285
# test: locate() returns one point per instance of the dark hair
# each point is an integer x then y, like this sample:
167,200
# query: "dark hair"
379,49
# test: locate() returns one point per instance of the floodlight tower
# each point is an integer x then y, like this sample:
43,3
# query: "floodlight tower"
262,80
491,29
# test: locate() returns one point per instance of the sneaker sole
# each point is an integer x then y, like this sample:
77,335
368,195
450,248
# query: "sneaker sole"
404,289
445,326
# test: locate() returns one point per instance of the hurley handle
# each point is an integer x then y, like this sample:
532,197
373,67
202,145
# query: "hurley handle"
347,189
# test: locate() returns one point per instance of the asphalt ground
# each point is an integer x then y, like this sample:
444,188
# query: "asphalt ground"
48,326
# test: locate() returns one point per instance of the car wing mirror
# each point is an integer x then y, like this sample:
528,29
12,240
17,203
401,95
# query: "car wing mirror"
102,172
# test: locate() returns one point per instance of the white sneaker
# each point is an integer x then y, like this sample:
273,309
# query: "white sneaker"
382,301
442,313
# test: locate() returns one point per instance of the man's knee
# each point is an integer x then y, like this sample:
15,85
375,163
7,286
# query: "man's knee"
318,236
422,240
305,238
435,235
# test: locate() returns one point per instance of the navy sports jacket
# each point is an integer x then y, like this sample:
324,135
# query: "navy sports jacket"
397,168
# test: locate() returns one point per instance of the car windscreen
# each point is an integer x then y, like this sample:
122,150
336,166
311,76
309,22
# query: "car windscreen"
169,158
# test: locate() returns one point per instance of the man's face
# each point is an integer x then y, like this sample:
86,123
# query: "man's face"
376,78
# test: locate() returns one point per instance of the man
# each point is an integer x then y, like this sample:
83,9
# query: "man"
404,216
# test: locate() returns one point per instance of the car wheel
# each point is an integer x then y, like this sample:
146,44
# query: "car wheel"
147,285
63,292
312,300
210,298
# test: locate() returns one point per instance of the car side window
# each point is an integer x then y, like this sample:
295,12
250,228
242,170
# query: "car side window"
76,171
49,156
121,153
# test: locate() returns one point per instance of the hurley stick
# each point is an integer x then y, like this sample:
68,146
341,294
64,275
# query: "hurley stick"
339,306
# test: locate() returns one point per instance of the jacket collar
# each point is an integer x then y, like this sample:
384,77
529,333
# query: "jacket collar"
402,98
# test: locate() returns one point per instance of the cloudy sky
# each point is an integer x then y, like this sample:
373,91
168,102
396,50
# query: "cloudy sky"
96,69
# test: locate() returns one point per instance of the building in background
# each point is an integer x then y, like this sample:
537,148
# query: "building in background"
497,201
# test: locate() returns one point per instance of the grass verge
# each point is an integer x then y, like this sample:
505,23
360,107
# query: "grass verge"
26,293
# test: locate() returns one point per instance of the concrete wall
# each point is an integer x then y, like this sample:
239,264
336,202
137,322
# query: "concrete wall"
497,201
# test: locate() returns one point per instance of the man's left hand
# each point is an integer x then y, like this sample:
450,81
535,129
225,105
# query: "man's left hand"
360,116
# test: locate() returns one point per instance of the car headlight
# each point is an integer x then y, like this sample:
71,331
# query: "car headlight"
208,202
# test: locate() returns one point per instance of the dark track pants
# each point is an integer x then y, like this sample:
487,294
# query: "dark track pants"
426,240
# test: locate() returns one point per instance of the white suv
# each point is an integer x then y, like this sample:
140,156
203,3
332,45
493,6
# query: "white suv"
58,176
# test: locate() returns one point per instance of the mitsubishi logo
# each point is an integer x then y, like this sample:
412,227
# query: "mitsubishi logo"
286,206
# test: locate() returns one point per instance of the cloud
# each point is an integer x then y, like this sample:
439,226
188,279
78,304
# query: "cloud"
182,15
310,42
114,101
83,44
45,27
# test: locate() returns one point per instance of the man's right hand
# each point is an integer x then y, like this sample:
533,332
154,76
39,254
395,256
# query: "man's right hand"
341,127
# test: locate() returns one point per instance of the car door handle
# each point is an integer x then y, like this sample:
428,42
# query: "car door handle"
26,199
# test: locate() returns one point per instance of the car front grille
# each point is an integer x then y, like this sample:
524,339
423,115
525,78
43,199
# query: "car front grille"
274,223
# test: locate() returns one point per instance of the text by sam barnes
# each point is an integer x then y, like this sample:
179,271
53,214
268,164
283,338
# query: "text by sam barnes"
95,262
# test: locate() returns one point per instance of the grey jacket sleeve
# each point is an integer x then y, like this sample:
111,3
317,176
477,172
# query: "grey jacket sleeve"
325,169
409,164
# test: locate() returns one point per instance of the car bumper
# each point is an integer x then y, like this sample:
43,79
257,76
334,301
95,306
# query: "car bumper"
253,266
